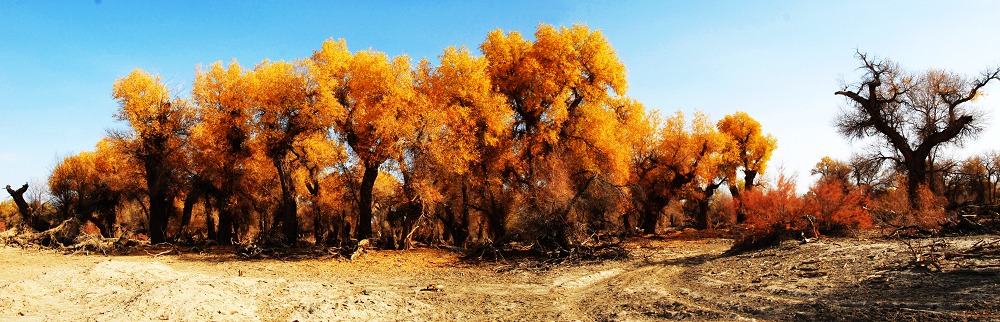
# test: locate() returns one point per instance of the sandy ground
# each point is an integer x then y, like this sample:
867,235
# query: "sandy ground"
832,279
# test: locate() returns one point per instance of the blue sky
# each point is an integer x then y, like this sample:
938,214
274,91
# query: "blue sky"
780,61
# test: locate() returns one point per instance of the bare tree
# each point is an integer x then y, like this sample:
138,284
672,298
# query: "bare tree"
27,211
911,116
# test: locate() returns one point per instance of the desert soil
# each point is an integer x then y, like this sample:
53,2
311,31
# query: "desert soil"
661,279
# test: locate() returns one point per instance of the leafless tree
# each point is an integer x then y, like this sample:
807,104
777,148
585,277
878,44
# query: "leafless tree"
911,115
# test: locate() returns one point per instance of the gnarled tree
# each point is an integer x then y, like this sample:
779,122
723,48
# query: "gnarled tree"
911,116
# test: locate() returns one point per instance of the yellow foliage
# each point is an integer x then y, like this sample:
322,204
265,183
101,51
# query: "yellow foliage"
461,115
373,98
829,168
560,87
749,148
156,122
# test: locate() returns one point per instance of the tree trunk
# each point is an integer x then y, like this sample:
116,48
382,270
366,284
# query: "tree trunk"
287,212
457,225
158,203
701,220
22,206
106,226
650,219
365,201
916,175
497,217
225,231
189,201
210,222
749,176
158,214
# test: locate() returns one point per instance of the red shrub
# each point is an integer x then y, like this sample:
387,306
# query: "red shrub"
837,207
771,208
771,215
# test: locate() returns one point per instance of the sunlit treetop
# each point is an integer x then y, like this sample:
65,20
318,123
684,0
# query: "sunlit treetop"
829,168
546,80
461,115
224,130
157,123
750,148
288,104
563,88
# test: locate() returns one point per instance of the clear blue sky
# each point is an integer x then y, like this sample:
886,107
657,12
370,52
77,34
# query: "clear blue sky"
780,61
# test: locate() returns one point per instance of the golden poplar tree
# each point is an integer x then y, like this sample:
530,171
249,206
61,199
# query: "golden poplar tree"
157,127
220,143
372,110
749,148
748,152
456,153
680,159
568,130
288,106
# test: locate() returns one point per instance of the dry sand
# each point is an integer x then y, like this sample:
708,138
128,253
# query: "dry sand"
833,279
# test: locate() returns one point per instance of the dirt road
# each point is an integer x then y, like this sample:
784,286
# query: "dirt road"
833,279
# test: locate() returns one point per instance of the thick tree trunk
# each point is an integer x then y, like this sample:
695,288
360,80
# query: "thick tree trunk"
461,234
320,230
497,216
158,215
916,175
456,221
287,212
225,232
749,176
650,219
159,204
651,212
701,220
364,228
741,215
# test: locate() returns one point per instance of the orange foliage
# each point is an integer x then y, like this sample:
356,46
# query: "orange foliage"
372,107
777,208
90,185
536,137
674,163
571,127
837,207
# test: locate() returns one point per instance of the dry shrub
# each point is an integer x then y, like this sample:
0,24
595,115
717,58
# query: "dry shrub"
776,214
929,211
837,207
893,208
